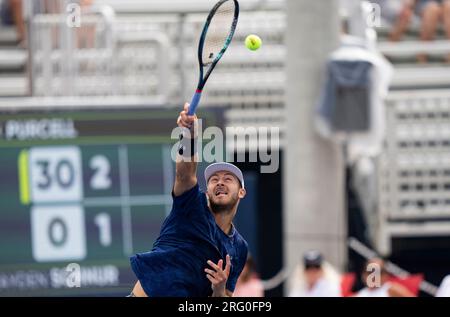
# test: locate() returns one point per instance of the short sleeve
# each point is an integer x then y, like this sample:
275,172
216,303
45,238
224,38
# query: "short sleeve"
188,200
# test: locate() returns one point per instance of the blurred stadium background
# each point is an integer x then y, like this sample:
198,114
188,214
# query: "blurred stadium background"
98,103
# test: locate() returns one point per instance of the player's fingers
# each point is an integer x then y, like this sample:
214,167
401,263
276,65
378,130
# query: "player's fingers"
183,122
213,265
228,264
193,117
211,279
190,119
213,273
186,118
184,114
220,264
221,276
214,280
180,121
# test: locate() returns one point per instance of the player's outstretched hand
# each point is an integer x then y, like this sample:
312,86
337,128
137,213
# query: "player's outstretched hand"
186,121
218,276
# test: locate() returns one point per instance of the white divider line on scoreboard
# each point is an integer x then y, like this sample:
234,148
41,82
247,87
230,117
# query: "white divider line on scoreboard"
125,199
168,176
149,200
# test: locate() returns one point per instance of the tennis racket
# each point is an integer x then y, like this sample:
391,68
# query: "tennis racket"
216,36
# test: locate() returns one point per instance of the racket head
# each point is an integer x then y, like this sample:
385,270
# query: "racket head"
216,36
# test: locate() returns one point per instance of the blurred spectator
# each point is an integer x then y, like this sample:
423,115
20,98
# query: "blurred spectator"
316,278
432,12
53,6
249,283
380,286
86,34
444,288
398,14
11,13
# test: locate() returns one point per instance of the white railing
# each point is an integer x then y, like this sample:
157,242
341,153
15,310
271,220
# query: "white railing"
93,61
414,168
184,6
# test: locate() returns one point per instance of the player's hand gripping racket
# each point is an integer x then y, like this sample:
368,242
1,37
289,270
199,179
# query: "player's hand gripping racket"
216,36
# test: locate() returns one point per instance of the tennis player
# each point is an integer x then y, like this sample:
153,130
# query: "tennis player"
199,252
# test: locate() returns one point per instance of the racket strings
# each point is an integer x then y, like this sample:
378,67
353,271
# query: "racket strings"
219,31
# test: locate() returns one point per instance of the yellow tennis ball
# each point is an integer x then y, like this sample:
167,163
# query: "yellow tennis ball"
253,42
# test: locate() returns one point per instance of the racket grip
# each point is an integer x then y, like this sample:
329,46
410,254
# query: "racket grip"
194,102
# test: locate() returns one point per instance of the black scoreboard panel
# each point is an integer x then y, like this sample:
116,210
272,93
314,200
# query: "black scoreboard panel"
80,192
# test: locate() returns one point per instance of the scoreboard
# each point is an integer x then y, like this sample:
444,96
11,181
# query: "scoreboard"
82,189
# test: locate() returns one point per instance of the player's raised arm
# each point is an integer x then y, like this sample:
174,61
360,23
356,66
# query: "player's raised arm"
186,164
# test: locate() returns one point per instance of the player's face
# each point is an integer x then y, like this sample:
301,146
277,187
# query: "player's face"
224,190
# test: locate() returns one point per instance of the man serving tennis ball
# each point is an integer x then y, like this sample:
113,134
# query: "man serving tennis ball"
198,237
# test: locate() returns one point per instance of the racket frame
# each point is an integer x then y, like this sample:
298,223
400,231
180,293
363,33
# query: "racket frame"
203,77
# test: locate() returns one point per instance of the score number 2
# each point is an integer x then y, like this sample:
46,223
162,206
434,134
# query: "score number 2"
101,179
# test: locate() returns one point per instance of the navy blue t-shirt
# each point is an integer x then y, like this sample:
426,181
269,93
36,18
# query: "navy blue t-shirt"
189,237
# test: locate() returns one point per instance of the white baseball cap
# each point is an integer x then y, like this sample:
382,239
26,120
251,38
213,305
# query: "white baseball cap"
224,166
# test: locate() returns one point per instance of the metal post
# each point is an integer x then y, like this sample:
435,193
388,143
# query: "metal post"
313,167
